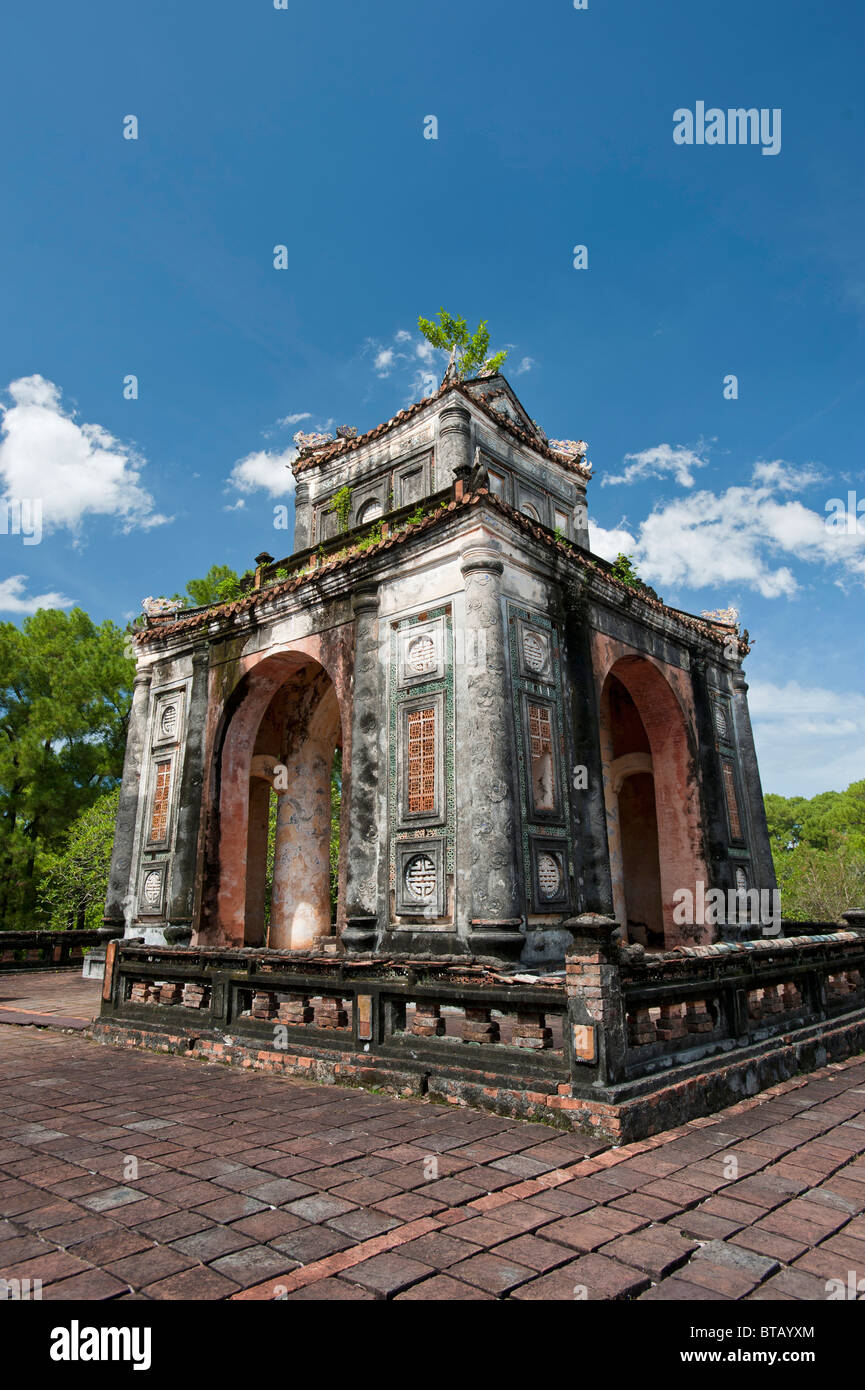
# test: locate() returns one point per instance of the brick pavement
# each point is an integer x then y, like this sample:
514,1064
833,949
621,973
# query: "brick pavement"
253,1187
59,998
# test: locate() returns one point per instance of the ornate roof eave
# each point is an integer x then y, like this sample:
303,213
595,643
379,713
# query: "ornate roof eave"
241,608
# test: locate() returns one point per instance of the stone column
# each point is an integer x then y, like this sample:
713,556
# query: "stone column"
116,903
712,796
256,860
496,913
302,517
361,892
181,900
454,450
761,852
300,899
588,804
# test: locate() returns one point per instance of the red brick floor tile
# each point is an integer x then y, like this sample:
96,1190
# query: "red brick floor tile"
536,1254
311,1243
441,1288
158,1262
253,1264
491,1272
680,1291
409,1206
657,1251
331,1291
481,1230
90,1286
579,1233
387,1274
591,1278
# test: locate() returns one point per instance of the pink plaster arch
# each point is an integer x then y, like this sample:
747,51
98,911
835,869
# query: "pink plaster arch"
260,677
663,699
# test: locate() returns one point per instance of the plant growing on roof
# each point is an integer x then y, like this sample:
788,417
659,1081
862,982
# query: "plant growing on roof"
341,504
623,570
470,350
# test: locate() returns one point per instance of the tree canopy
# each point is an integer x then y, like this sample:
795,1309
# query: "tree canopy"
65,690
471,348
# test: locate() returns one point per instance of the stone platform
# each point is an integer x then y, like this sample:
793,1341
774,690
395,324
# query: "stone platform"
251,1186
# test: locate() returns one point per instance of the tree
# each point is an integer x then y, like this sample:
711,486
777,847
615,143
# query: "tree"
65,690
451,332
818,848
74,880
817,885
218,585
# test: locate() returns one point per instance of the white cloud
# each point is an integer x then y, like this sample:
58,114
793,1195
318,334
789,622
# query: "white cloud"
264,471
294,419
402,336
14,600
609,544
526,365
384,360
426,352
75,469
808,739
661,461
747,537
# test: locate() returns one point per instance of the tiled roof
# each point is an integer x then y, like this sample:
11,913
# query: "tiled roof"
162,629
341,447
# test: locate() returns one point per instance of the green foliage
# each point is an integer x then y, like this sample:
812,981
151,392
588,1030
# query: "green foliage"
452,332
228,589
341,504
818,847
201,592
65,690
624,571
74,879
795,820
373,536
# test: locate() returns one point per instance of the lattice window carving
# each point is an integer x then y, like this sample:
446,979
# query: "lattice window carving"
161,800
422,761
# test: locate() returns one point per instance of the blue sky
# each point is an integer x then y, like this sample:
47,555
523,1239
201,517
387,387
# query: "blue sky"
305,127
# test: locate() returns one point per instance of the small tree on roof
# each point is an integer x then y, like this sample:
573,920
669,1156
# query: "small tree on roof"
451,334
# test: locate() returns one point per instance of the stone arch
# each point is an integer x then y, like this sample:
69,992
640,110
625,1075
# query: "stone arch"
285,711
652,796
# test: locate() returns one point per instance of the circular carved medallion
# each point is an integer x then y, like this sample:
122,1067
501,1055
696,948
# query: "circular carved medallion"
420,877
549,876
153,888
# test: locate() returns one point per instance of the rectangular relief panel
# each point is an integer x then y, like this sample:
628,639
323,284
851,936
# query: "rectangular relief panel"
421,795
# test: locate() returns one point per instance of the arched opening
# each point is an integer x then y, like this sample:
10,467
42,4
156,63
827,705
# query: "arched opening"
652,803
278,788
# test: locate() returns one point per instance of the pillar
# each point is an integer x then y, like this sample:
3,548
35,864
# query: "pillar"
496,911
300,898
302,517
761,852
256,860
116,903
588,804
184,864
361,890
454,449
